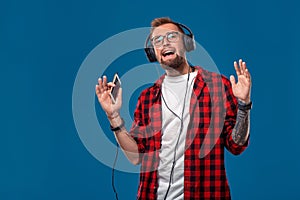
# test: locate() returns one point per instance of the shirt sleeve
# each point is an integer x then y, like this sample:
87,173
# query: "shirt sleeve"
230,120
139,126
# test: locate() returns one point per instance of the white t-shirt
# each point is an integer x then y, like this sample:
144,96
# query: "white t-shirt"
173,91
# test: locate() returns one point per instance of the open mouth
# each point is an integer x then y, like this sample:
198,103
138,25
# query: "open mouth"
168,53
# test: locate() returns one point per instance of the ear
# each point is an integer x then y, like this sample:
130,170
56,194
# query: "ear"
150,53
189,43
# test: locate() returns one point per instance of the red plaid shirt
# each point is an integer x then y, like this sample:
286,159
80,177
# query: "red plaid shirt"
213,110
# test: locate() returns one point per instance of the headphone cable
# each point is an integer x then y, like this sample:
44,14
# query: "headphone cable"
113,172
174,158
181,128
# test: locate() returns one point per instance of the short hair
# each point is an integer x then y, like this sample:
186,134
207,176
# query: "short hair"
163,20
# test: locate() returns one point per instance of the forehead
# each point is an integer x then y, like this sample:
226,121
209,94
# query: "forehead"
163,29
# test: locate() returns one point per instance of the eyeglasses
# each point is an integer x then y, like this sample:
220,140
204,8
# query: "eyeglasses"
171,37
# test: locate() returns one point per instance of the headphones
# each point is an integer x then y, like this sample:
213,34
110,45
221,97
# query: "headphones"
189,43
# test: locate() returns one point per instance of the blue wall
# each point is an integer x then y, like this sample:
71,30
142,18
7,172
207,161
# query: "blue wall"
43,44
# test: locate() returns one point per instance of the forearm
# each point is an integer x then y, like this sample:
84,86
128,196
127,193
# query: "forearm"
241,130
126,142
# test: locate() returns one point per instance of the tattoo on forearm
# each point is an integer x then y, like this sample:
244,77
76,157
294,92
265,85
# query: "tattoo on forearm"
240,132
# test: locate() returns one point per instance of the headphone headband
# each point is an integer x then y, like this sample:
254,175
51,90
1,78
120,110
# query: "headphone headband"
182,26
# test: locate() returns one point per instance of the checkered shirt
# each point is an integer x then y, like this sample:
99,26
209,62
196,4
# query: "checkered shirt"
213,110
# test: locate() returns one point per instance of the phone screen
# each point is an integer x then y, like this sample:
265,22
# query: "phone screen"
115,90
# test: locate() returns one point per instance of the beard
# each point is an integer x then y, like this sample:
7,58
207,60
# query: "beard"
174,63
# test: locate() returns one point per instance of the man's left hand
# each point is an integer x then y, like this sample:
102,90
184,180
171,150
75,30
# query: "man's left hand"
242,88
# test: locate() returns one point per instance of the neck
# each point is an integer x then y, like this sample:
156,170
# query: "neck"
181,70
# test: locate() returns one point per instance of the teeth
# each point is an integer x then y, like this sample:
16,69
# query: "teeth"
167,52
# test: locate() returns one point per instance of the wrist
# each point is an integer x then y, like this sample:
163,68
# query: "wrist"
244,101
118,127
113,115
115,120
242,105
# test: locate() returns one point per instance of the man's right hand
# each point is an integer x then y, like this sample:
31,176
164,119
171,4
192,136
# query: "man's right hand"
102,91
127,143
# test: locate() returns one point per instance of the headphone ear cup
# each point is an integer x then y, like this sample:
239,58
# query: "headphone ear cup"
189,43
150,54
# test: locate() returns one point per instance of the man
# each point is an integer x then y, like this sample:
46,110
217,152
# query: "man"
183,122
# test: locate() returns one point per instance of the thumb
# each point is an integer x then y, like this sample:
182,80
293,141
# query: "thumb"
119,97
232,80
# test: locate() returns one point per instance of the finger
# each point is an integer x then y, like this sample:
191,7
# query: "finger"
246,72
111,84
119,97
100,83
236,67
248,76
244,67
104,82
232,80
97,89
101,86
241,66
98,92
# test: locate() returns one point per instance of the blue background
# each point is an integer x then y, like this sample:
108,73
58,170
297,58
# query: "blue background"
43,43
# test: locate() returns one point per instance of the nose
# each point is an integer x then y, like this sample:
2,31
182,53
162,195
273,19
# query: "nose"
165,41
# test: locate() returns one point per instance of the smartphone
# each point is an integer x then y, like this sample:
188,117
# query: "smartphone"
115,90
